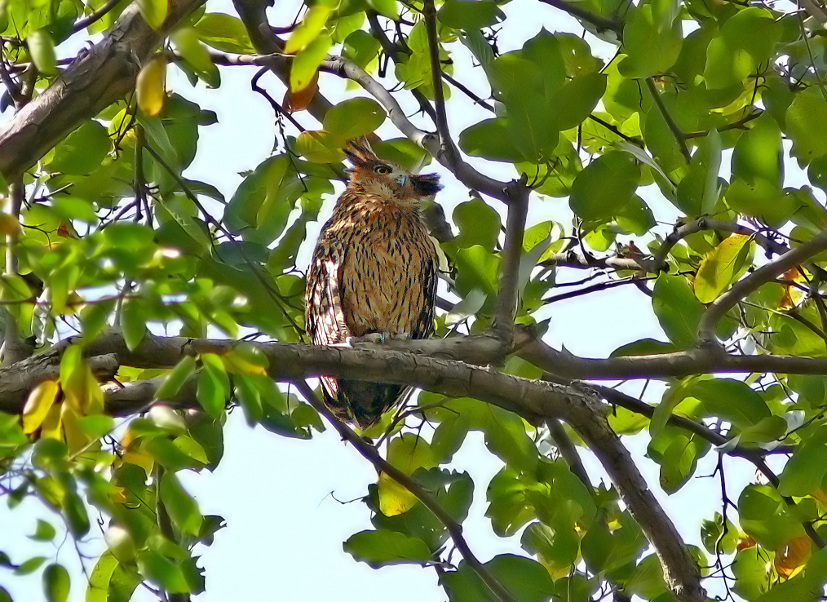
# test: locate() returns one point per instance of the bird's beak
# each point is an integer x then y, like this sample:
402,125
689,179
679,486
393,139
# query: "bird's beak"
401,179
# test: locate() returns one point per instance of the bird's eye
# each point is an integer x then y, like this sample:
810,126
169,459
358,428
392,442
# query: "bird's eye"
382,170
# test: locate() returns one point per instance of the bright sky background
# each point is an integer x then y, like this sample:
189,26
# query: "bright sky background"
290,504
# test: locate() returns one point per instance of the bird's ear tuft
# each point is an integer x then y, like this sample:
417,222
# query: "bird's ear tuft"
427,185
359,151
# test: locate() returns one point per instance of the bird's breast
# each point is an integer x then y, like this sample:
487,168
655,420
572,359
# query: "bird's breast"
386,275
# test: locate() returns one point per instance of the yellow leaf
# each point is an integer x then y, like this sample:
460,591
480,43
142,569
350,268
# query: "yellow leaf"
394,499
722,266
309,28
8,224
76,439
150,86
51,427
236,364
38,404
139,459
790,559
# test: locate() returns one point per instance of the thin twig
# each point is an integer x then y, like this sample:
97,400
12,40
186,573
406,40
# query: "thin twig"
764,274
94,16
680,137
370,453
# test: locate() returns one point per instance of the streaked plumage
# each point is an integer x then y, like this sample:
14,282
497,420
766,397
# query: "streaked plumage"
374,270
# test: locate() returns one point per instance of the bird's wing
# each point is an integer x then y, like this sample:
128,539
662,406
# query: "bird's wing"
424,324
325,318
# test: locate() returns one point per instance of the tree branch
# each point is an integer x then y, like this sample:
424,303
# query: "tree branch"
371,454
681,231
588,418
707,360
94,81
536,401
94,16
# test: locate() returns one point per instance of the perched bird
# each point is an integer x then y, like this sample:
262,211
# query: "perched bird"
373,275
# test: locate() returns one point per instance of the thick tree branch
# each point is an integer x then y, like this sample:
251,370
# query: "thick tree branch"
708,360
508,293
101,76
371,454
536,401
745,286
588,418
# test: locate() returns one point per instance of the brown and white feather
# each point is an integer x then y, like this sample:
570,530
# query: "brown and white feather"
374,270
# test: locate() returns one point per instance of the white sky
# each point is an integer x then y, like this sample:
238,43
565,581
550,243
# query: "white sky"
279,496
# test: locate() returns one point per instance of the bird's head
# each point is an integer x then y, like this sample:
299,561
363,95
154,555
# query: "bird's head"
376,176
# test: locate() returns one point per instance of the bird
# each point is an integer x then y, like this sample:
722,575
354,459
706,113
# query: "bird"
372,276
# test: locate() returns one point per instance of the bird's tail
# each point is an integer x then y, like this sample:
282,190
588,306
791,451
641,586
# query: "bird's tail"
363,402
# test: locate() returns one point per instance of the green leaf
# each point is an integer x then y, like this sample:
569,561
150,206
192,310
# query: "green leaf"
163,572
308,30
526,580
386,8
677,309
469,14
182,508
42,50
699,190
761,199
154,12
110,581
765,517
722,266
758,155
56,583
557,547
176,378
577,99
751,571
133,323
652,39
677,452
82,151
805,470
604,186
731,400
29,566
74,512
196,56
805,118
478,223
490,139
43,532
213,388
307,62
224,32
716,538
746,40
384,547
353,117
476,268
